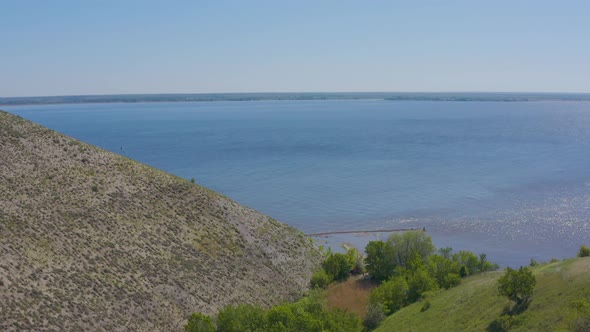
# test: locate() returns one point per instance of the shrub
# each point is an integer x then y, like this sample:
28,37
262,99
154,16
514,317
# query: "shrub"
501,324
340,320
320,279
489,266
584,251
391,295
440,268
355,260
374,316
485,265
337,266
452,280
425,306
420,282
280,316
199,323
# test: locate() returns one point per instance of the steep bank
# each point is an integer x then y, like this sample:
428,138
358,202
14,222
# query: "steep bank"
93,240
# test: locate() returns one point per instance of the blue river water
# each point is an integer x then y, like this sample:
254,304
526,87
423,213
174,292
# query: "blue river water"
511,179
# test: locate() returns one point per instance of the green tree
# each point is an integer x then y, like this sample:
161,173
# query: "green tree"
533,262
406,244
337,266
584,251
483,259
308,314
419,283
419,280
485,265
241,318
355,260
489,266
469,260
378,262
440,267
199,323
463,271
341,321
517,285
391,295
280,318
383,257
446,252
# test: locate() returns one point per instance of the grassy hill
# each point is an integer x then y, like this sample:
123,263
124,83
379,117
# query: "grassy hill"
90,240
474,305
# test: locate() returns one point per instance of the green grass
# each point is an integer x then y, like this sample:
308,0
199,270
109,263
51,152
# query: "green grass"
475,304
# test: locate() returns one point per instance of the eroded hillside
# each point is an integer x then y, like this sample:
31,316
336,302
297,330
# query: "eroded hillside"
90,240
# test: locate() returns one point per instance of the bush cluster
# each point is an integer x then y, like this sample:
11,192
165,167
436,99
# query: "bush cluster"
337,267
408,267
584,251
307,314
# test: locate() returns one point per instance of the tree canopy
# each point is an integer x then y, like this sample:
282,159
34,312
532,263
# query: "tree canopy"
378,261
399,249
517,285
307,314
408,268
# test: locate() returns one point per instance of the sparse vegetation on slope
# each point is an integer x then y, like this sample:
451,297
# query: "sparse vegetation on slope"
93,240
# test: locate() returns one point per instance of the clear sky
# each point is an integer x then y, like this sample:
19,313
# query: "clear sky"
104,47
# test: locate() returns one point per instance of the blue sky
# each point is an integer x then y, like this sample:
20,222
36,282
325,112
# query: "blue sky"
103,47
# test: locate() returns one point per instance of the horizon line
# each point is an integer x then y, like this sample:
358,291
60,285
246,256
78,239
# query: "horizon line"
298,92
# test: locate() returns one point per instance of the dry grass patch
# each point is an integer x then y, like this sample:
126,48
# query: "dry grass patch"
351,295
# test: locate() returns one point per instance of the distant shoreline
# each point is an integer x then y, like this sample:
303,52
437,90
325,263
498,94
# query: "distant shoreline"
305,96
